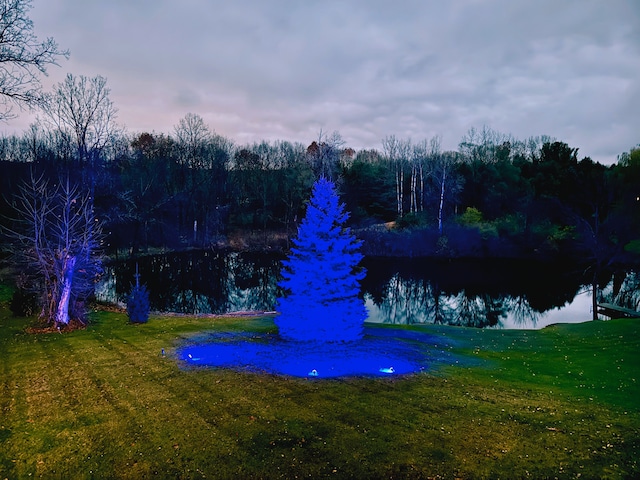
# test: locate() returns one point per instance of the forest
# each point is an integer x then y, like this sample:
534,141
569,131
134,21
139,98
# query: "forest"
496,196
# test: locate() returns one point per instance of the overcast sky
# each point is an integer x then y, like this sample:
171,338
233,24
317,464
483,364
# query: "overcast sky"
284,69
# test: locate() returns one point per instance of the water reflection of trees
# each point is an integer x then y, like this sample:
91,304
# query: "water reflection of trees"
521,311
479,310
198,282
414,301
477,295
398,291
623,290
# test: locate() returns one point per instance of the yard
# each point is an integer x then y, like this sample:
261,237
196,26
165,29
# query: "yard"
105,403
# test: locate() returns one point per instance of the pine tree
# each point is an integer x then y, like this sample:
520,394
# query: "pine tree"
138,302
321,276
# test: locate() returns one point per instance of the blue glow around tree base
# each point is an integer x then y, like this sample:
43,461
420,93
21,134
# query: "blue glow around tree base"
382,352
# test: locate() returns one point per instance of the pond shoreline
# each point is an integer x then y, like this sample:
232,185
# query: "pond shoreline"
472,292
379,241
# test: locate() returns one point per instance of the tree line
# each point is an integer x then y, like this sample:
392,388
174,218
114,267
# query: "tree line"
494,195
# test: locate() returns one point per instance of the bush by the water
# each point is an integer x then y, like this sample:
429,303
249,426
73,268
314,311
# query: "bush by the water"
23,303
138,304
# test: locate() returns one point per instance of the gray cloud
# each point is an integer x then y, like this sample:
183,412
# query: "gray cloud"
285,69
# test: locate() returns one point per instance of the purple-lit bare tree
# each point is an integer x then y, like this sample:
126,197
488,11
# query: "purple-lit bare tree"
58,245
22,57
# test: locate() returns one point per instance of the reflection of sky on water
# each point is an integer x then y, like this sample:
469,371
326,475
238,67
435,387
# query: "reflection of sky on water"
576,311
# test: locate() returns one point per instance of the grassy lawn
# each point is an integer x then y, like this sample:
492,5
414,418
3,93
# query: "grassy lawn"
104,403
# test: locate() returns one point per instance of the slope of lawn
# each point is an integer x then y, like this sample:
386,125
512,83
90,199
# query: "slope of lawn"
104,403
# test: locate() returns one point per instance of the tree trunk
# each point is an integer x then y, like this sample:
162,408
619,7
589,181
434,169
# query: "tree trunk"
414,201
62,310
441,206
594,295
398,208
421,204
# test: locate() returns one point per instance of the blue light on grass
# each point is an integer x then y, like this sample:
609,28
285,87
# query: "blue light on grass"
382,352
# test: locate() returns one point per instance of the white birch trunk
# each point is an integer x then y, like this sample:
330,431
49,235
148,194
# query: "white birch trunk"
400,187
414,201
401,190
62,309
421,205
441,206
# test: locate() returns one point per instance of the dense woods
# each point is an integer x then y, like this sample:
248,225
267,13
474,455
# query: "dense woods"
495,196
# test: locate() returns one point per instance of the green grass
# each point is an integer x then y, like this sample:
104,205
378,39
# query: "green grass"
103,403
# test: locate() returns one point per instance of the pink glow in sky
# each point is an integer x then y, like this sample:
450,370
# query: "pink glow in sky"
257,70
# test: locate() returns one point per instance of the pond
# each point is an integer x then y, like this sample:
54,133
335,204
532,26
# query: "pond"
507,294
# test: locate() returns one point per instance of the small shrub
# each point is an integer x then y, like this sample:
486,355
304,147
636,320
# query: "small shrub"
633,247
138,304
471,217
23,303
411,220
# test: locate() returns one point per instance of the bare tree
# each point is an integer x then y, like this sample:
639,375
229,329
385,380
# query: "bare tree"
324,155
397,152
22,57
193,136
420,168
448,183
59,246
391,151
80,108
483,145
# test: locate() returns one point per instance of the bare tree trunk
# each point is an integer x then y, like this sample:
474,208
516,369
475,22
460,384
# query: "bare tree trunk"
421,204
61,235
62,311
399,187
594,296
414,200
441,206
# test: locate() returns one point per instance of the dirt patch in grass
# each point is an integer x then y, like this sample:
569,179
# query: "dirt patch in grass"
72,326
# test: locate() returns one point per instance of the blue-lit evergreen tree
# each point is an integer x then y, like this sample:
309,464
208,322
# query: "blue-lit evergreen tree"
138,302
321,276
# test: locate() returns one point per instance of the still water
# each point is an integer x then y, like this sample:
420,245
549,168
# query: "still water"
400,291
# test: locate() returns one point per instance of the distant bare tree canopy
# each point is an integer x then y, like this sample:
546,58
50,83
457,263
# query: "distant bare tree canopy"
23,58
80,108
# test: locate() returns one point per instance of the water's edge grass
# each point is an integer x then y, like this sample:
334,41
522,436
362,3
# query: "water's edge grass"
104,403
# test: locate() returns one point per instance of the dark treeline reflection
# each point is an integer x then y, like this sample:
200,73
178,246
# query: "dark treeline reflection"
401,291
197,281
469,293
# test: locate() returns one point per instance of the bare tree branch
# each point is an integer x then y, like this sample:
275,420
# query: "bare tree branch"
23,58
80,107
